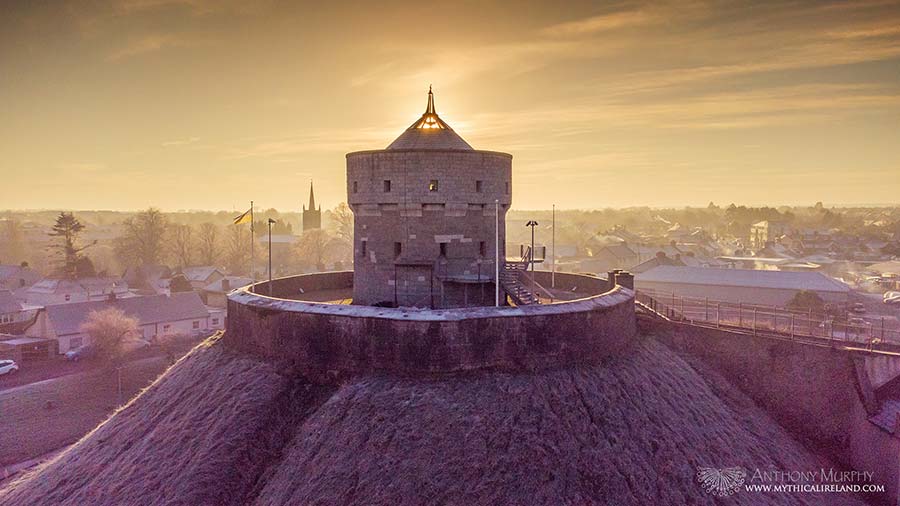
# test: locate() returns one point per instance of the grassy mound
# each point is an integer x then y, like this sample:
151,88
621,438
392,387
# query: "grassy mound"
222,429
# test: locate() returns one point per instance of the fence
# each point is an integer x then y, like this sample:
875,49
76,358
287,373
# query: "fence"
768,319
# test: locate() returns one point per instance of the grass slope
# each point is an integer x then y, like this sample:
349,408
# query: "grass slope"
220,429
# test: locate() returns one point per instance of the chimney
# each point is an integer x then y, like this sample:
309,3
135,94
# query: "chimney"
226,285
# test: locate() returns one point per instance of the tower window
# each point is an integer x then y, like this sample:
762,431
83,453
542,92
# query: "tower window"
443,249
433,185
479,186
387,185
398,248
507,187
482,248
363,247
355,187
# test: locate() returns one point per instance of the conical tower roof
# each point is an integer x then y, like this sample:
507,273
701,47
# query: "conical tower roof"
430,132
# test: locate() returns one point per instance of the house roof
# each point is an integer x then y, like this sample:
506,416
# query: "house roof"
201,273
67,318
815,281
9,303
620,251
233,282
50,285
430,132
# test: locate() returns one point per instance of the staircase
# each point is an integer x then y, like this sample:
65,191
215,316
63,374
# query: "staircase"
511,281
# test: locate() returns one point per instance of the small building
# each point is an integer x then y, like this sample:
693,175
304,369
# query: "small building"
201,276
774,288
15,316
215,294
766,231
158,316
48,291
312,215
26,349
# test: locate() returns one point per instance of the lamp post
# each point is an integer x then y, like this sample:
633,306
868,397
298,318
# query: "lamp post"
270,222
497,253
553,245
532,224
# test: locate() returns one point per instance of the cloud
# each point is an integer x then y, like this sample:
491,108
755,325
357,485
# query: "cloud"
601,23
154,42
181,142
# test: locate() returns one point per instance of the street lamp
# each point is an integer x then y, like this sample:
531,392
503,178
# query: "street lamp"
270,222
532,224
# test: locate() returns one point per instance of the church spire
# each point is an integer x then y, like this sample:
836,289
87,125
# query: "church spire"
312,197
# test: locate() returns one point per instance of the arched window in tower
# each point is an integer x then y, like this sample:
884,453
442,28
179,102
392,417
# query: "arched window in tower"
433,185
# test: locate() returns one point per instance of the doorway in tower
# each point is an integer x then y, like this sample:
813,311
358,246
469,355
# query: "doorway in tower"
414,285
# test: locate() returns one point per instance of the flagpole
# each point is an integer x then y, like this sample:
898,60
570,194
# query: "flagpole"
553,245
252,238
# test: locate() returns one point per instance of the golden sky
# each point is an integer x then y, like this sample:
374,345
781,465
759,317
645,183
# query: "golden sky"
206,104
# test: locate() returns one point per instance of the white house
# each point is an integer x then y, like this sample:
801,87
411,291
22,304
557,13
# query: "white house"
158,316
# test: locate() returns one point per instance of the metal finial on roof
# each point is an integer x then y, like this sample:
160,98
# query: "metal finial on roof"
430,108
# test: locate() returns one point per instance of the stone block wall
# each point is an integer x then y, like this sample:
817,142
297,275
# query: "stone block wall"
327,342
389,193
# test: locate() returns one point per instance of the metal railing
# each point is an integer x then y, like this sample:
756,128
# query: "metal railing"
762,319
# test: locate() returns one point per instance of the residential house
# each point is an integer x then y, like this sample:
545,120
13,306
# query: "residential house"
201,276
148,279
215,294
15,316
158,316
50,291
764,232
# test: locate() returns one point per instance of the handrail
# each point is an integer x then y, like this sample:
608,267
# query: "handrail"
771,321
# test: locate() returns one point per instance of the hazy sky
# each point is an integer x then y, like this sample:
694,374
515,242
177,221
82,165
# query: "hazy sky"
206,104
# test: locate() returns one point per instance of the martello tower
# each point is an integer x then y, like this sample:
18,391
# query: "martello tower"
424,218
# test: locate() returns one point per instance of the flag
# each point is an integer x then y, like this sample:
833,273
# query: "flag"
247,217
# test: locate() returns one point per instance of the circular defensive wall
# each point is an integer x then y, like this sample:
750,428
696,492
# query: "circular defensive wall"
306,324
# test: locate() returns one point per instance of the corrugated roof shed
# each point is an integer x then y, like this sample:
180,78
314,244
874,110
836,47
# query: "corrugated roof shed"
67,318
743,278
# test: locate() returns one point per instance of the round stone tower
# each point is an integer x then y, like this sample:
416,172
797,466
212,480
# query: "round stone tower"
425,218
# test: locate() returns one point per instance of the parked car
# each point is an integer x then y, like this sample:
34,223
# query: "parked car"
858,308
8,367
82,352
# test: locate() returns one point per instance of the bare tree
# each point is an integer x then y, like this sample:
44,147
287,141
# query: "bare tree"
110,329
343,219
144,237
312,248
208,243
181,244
237,249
